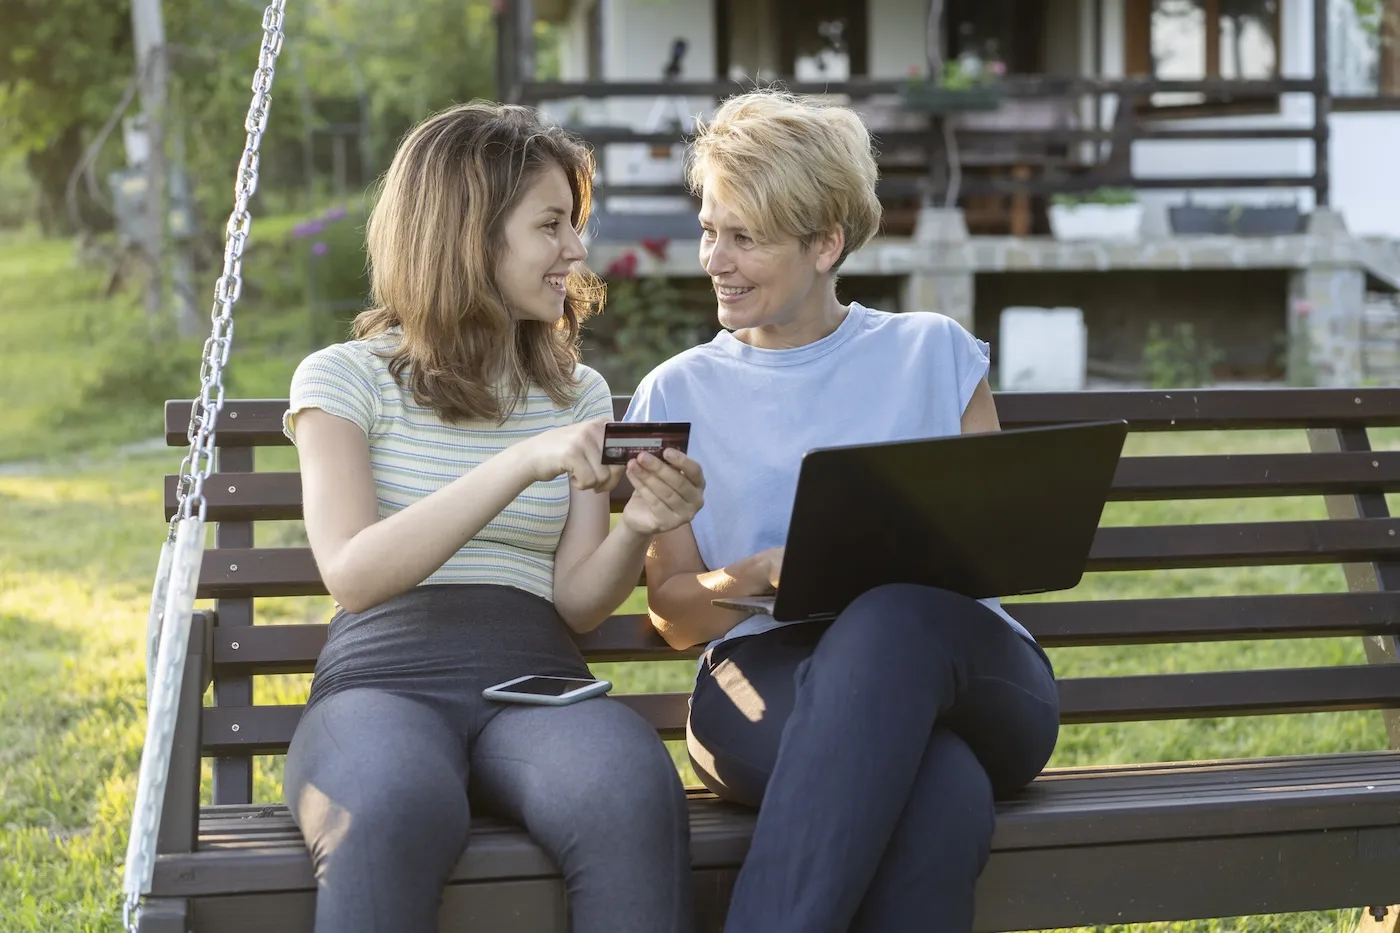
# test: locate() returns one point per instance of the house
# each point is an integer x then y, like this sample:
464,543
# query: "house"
1256,135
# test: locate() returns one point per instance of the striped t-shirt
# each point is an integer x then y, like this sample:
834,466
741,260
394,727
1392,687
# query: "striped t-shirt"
413,453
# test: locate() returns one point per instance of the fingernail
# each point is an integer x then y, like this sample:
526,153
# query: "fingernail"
672,454
645,457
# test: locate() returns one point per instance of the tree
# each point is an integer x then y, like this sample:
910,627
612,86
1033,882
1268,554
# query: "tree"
63,64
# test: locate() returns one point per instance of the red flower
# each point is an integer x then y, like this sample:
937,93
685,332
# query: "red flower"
623,267
656,246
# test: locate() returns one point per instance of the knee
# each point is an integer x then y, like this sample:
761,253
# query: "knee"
629,794
384,821
897,618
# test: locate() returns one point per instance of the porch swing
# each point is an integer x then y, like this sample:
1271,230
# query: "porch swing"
1081,846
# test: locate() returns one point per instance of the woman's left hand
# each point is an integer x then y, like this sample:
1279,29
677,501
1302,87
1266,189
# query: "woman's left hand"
667,491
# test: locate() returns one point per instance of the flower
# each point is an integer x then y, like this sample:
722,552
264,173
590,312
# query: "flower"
335,213
623,267
307,228
656,246
319,248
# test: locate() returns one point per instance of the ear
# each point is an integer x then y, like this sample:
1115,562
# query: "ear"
829,247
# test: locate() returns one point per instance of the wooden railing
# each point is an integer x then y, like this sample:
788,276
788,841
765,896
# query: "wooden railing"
1087,154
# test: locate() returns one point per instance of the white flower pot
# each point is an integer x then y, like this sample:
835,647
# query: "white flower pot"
1096,221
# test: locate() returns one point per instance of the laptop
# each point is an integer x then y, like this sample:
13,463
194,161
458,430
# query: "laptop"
1006,513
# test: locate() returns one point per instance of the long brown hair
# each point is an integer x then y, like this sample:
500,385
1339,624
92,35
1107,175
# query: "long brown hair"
435,239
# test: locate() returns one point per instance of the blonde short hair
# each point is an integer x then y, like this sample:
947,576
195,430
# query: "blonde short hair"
789,166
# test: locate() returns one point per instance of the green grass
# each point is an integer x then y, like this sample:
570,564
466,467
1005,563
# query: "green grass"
78,543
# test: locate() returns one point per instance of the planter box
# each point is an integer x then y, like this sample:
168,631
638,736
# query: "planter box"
1096,221
1195,220
936,99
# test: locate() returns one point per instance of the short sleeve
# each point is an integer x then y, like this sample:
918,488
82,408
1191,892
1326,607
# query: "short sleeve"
647,403
972,360
595,398
340,381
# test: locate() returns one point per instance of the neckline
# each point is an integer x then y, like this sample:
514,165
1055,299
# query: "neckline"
793,356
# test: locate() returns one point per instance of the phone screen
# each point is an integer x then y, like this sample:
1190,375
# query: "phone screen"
548,686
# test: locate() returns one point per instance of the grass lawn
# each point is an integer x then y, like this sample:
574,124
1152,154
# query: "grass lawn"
78,542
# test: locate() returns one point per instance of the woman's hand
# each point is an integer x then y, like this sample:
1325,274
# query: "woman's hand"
667,491
576,450
772,562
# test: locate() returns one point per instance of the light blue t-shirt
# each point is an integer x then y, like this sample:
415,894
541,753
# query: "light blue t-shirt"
755,412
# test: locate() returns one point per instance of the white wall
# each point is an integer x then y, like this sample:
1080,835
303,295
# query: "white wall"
896,29
1365,182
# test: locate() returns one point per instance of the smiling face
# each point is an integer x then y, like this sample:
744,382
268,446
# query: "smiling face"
775,285
541,248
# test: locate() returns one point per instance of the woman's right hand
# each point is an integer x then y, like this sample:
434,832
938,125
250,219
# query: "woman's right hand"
576,450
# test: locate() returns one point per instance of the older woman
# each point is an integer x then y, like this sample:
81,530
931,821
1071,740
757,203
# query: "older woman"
872,745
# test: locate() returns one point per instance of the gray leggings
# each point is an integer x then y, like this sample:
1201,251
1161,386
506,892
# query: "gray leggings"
382,778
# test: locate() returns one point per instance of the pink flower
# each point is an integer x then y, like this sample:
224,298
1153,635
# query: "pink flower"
997,67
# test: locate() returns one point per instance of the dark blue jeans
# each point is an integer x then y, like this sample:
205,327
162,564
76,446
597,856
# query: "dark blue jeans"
874,747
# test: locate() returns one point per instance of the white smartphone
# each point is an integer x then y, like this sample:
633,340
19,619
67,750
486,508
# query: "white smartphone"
546,691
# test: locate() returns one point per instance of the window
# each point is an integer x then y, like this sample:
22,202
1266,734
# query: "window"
1363,45
1190,40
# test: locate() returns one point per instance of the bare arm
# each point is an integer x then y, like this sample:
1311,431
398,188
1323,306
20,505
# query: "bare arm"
680,586
365,561
980,416
595,569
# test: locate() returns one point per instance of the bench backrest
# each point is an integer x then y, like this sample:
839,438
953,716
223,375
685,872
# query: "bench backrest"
1341,466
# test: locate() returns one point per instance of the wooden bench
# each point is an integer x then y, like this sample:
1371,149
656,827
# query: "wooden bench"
1106,844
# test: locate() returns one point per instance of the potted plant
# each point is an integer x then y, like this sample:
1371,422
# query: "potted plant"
966,84
1103,214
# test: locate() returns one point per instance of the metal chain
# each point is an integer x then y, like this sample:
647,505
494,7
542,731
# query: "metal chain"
194,471
204,411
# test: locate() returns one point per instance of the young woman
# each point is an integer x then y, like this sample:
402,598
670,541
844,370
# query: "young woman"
872,745
457,506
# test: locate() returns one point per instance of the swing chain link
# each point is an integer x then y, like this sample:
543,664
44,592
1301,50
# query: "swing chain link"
204,411
199,462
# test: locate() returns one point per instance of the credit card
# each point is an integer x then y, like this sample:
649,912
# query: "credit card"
623,440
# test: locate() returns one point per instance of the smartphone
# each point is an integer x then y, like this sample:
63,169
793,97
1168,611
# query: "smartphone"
546,691
623,440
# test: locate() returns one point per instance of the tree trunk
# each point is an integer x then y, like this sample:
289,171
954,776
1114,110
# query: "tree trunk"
49,168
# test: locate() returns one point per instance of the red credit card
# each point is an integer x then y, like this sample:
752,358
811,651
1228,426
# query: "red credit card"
623,440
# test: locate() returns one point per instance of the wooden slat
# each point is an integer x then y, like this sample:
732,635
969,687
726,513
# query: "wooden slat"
268,729
1206,618
229,572
1254,475
277,496
258,422
250,497
293,649
1243,544
1163,799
